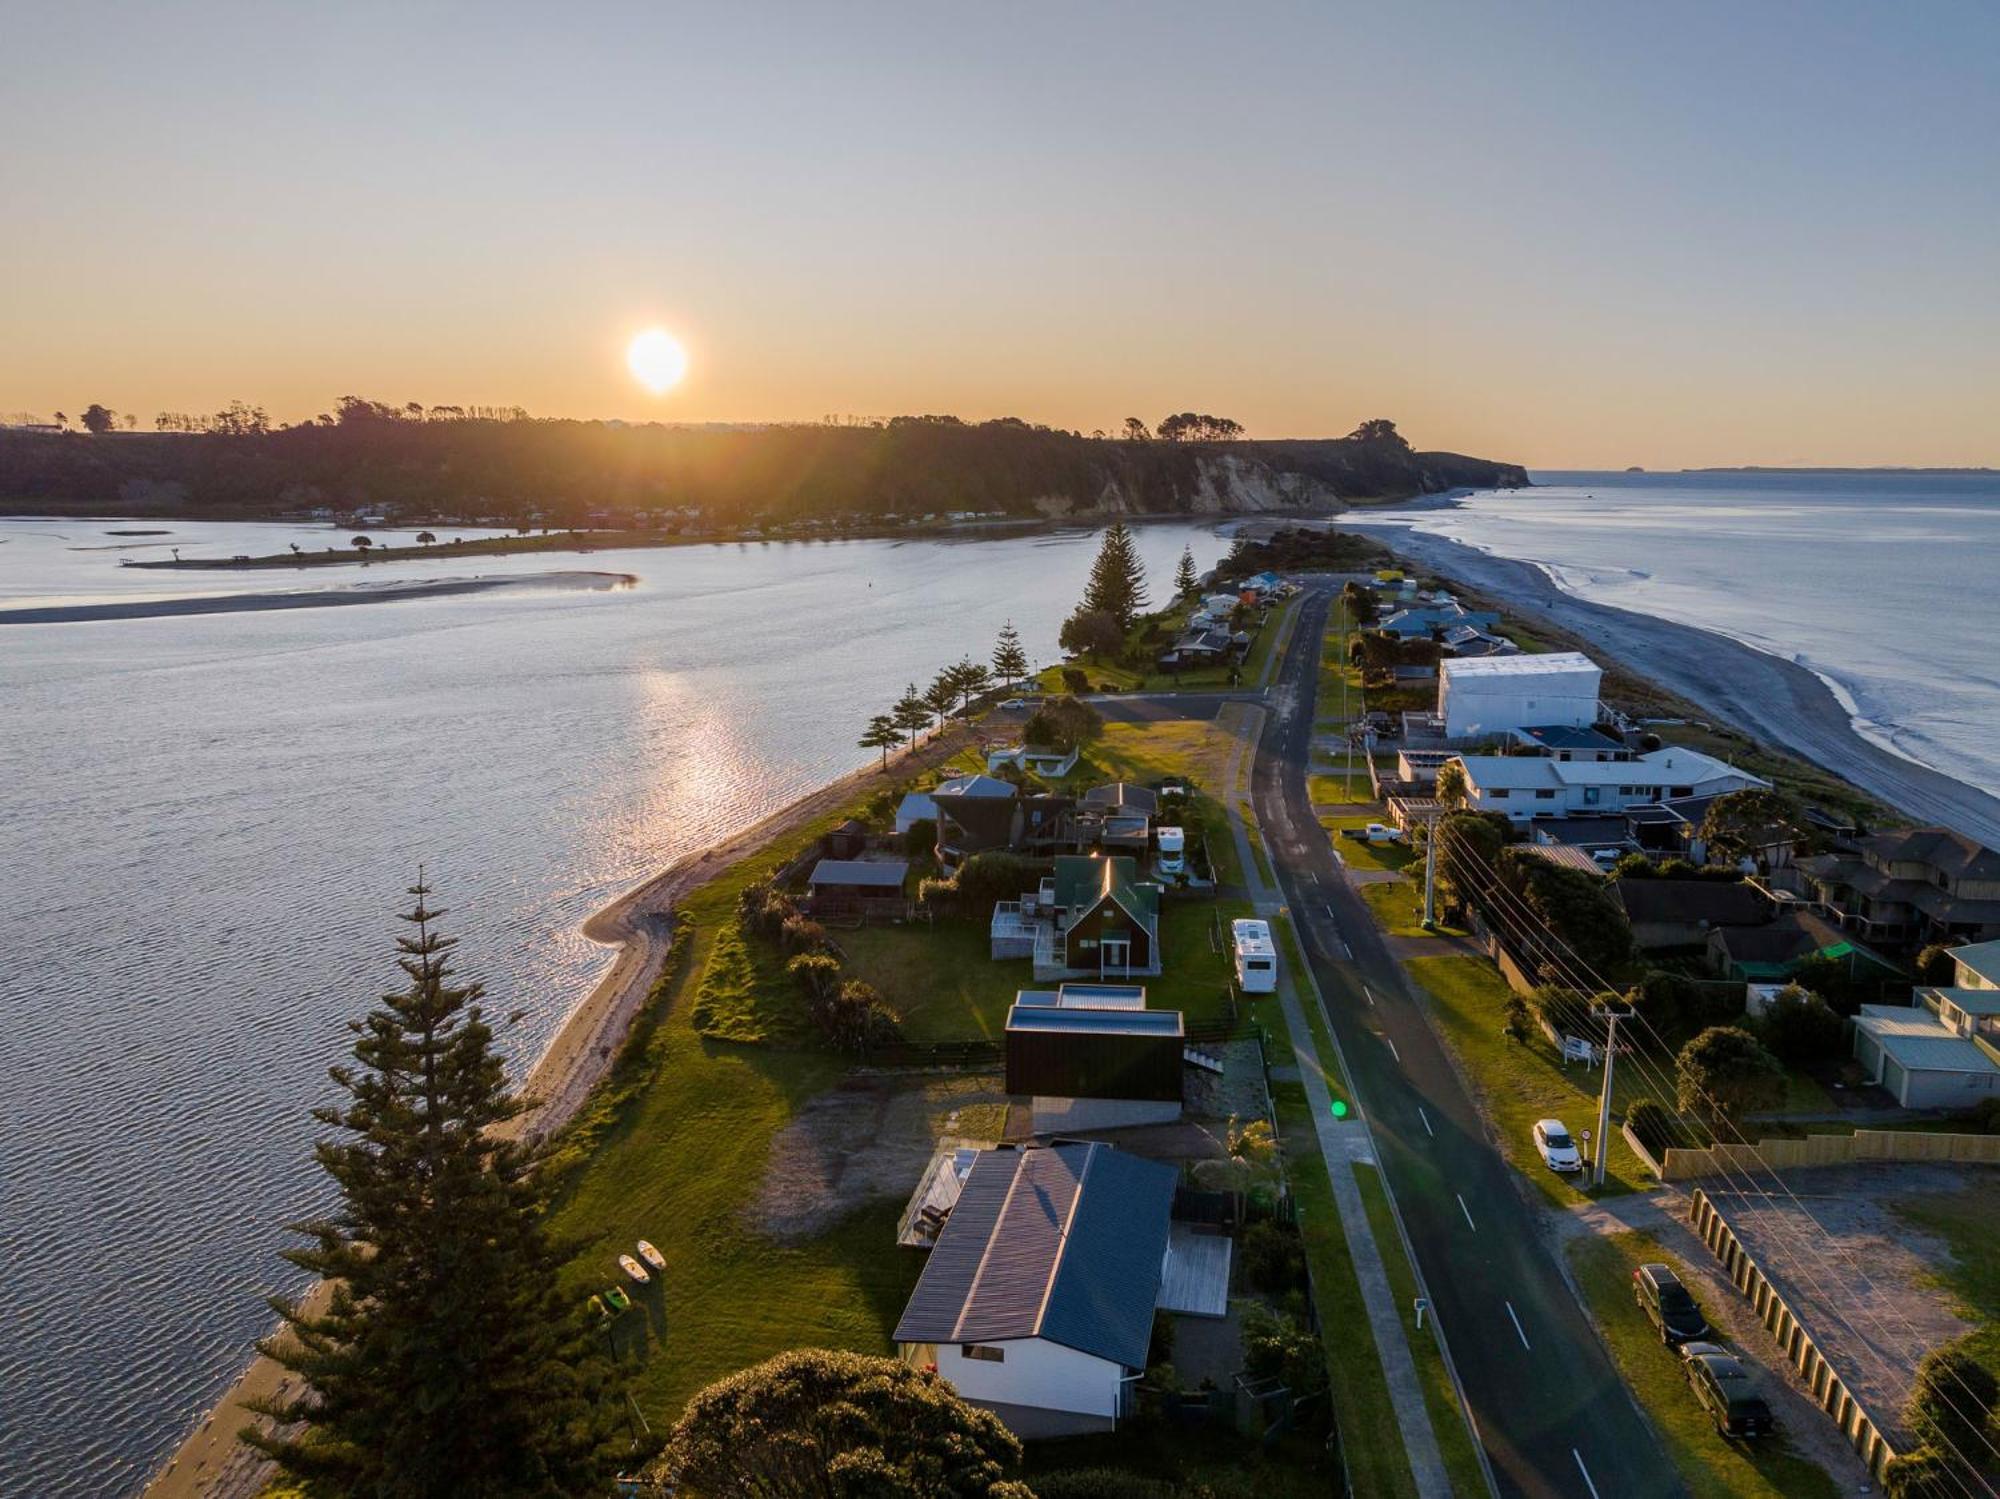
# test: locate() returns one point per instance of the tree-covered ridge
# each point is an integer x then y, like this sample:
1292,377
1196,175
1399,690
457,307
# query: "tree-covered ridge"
448,464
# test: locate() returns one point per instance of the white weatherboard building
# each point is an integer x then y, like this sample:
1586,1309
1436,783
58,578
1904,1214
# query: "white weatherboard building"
1037,1302
1525,786
1491,695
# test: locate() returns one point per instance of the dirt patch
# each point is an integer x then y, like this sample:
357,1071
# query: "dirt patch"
1867,1288
1238,1093
868,1138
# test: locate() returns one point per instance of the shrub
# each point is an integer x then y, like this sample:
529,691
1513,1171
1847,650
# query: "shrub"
1923,1474
1798,1027
1657,1127
1725,1073
1067,723
921,838
1952,1403
1161,1349
801,934
1074,680
1983,1118
855,1018
994,876
1275,1347
1273,1258
1101,1483
764,907
1935,965
817,976
937,895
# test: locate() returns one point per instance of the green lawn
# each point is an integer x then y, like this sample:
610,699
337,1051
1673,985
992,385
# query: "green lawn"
1363,854
1964,1220
1256,839
1461,1455
1522,1082
1340,788
1398,907
1710,1465
679,1163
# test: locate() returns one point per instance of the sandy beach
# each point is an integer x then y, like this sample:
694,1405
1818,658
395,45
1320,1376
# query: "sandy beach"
210,1463
1773,699
309,598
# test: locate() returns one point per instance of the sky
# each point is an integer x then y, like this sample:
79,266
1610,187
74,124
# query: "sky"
1565,235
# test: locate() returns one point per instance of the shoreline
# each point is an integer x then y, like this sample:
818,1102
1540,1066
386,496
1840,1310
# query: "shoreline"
320,598
1770,697
208,1462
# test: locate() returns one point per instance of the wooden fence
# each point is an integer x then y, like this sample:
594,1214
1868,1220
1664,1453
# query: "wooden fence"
1683,1164
1824,1385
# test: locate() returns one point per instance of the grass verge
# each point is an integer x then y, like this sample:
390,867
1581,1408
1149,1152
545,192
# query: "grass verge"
1711,1466
1461,1453
1520,1082
1362,854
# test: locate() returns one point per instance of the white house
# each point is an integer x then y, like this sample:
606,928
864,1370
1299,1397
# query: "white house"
1494,695
1053,764
1978,965
1037,1302
1525,786
1923,1062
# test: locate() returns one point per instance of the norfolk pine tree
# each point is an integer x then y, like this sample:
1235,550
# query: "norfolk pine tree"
882,733
1117,583
1186,579
1010,662
446,1361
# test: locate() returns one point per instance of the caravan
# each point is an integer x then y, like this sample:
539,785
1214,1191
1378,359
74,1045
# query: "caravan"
1256,957
1173,851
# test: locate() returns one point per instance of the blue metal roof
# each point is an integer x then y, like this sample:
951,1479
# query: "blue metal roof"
1063,1242
1032,1017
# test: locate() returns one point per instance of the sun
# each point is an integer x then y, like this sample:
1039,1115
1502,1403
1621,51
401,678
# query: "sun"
656,360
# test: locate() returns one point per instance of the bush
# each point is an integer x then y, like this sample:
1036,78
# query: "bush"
1273,1258
1658,1127
1936,966
1798,1027
1924,1474
1101,1483
856,1018
921,838
995,875
1074,680
1275,1347
1952,1404
764,908
1067,723
1161,1349
801,934
1983,1118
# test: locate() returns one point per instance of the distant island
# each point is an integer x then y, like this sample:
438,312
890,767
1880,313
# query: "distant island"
1884,468
376,465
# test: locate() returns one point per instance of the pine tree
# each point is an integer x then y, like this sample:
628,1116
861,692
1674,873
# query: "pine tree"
942,695
970,678
882,733
1117,583
911,713
1186,579
446,1361
1010,662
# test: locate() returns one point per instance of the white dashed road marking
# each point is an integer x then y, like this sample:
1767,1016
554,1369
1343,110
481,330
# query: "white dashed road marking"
1517,1328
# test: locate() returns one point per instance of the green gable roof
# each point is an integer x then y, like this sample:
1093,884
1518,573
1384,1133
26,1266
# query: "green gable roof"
1083,880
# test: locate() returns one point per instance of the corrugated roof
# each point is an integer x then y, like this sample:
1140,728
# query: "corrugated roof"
1972,1001
1063,1242
1094,1022
1546,664
974,786
1983,958
1716,902
877,873
1917,1040
1081,880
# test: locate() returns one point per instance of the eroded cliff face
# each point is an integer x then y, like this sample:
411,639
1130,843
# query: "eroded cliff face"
1234,484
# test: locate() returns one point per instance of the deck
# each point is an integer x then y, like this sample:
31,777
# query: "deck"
1195,1278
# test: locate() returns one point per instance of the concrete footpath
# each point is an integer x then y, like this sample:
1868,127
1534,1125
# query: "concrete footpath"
1341,1144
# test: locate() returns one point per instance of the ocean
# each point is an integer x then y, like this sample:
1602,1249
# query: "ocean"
1879,582
210,821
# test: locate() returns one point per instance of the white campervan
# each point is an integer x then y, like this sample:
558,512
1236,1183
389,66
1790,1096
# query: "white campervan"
1173,851
1256,956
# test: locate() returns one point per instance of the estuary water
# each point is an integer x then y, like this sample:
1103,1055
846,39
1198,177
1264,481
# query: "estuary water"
1880,582
209,822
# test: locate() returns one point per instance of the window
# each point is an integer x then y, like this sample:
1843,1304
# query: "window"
986,1353
1498,794
1590,795
1545,796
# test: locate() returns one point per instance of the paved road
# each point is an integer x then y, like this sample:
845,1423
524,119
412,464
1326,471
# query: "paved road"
1554,1415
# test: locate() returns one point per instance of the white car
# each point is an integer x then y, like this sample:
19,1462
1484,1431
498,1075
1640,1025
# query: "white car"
1558,1151
1381,832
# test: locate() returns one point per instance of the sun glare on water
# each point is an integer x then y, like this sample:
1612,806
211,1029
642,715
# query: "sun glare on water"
656,360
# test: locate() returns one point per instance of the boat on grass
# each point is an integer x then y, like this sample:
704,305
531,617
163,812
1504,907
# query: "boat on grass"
634,1269
651,1255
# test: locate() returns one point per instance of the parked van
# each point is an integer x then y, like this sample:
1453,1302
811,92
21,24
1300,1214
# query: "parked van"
1667,1305
1256,956
1173,851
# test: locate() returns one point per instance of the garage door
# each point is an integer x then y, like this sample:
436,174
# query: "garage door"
1894,1078
1869,1054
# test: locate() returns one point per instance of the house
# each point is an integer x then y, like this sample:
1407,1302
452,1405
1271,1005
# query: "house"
1571,742
1977,966
1208,645
1092,917
1091,1061
1468,641
853,888
1050,764
1419,767
1773,952
1909,888
1678,832
1668,914
1117,817
1429,621
1494,695
1921,1061
917,806
975,815
1122,797
1037,1301
1527,786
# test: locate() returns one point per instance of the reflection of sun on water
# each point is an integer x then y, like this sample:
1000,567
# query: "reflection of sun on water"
707,777
656,360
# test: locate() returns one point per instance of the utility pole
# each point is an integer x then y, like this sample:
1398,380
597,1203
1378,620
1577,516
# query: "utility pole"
1609,1015
1430,872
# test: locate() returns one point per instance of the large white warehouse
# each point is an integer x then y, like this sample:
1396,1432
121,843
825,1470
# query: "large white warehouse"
1487,695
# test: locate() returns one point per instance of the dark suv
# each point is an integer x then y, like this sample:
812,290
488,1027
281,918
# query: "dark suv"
1667,1305
1725,1390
